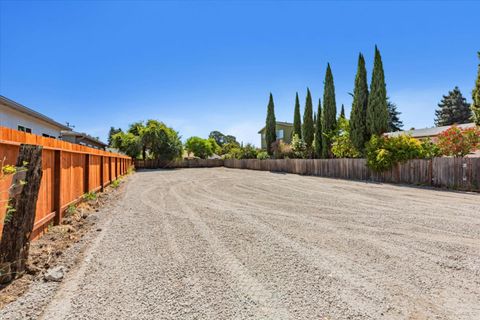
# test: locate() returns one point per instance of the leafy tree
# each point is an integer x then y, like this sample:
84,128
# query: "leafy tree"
307,128
270,126
329,121
457,142
358,115
201,148
317,144
299,148
218,137
453,109
231,139
297,122
377,112
342,113
153,139
111,133
394,122
476,98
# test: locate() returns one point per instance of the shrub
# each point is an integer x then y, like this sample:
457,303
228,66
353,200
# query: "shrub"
201,148
263,155
89,196
281,150
299,148
342,146
384,152
459,142
430,149
246,152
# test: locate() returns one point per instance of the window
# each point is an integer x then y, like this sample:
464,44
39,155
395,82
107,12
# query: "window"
24,129
48,136
280,134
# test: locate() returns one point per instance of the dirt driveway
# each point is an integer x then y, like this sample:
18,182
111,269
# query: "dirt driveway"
238,244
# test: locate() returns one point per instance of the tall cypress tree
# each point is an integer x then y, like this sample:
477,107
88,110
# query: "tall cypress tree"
297,123
358,115
377,112
476,98
453,109
317,146
307,128
270,126
342,112
329,116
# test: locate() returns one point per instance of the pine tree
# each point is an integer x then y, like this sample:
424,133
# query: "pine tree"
297,122
394,122
358,115
270,126
111,133
307,128
476,98
342,112
453,109
318,132
377,112
329,121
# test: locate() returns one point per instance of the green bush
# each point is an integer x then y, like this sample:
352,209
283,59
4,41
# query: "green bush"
342,146
246,152
282,150
263,155
299,148
201,148
385,152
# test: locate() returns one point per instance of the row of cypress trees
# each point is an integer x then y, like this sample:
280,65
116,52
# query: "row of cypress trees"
369,115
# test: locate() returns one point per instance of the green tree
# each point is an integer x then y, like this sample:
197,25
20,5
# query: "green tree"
111,133
453,109
318,132
270,126
342,113
476,98
394,122
342,146
297,122
358,115
127,143
377,112
329,116
307,128
201,148
218,137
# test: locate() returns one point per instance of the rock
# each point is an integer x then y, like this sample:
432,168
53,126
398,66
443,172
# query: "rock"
55,274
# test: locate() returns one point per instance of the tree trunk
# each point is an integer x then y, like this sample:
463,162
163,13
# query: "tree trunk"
20,218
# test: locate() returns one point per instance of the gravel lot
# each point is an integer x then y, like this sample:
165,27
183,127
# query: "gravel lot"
239,244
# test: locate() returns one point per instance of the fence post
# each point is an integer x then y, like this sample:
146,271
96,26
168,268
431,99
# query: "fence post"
86,176
116,167
102,182
57,187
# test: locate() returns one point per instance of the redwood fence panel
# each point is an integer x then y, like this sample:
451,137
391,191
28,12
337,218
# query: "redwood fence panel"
69,171
452,173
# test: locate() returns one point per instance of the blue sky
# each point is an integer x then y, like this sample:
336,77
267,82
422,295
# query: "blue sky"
203,66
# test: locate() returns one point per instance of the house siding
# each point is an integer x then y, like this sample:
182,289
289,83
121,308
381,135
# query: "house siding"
287,134
11,118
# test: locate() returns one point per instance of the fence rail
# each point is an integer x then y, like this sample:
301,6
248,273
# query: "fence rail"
453,173
189,163
69,171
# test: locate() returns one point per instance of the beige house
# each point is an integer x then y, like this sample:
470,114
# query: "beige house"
284,132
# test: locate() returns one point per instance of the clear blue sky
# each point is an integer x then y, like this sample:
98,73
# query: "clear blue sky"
203,66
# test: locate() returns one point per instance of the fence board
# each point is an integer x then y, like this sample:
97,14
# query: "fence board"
72,163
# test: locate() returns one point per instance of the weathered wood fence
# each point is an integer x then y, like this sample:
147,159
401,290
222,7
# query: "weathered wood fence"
188,163
69,171
453,173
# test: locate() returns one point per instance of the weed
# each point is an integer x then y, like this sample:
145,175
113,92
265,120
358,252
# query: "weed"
90,196
116,183
71,209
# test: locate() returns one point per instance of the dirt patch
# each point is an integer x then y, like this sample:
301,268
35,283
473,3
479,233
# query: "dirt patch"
52,249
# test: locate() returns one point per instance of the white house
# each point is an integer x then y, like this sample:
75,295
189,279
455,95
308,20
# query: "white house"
16,116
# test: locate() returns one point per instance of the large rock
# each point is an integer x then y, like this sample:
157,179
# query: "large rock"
55,274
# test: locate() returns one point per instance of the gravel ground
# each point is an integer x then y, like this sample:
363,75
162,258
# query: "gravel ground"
238,244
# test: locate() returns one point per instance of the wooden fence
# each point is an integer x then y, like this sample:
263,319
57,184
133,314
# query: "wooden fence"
189,163
69,171
453,173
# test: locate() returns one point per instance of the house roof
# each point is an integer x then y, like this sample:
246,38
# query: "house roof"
83,136
427,132
279,123
21,108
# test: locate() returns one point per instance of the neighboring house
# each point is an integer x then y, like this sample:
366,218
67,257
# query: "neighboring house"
431,133
284,132
83,139
15,116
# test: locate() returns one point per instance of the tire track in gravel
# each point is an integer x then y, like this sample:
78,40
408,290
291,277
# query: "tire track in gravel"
244,283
